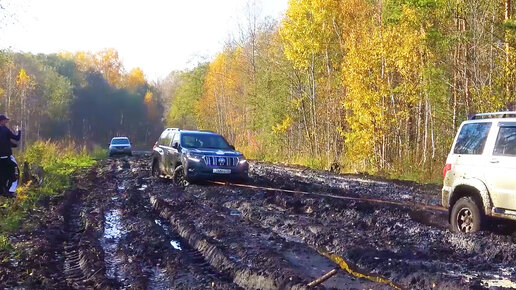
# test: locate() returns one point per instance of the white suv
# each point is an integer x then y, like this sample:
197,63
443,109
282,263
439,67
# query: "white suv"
480,172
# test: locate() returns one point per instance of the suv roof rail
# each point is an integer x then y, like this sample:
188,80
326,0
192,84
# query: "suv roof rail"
508,114
172,129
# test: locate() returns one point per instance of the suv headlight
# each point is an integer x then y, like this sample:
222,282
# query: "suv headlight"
194,157
242,160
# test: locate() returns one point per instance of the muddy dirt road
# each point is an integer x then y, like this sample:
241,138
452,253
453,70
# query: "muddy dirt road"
118,228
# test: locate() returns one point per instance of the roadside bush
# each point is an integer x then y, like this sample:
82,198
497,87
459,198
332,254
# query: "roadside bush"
57,162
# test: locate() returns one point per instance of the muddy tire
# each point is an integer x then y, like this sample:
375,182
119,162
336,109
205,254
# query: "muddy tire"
179,176
466,216
155,171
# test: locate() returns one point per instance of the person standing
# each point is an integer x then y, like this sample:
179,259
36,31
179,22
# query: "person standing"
7,163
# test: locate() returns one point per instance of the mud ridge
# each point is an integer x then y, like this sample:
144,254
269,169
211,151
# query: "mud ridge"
191,255
242,275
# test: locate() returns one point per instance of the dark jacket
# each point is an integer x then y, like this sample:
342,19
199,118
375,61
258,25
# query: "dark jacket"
5,140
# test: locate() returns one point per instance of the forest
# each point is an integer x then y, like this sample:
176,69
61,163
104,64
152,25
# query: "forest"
82,97
371,86
376,86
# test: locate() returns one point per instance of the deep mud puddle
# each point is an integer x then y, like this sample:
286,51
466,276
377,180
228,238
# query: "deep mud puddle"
175,243
113,232
316,266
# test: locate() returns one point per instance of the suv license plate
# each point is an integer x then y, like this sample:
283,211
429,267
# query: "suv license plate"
221,171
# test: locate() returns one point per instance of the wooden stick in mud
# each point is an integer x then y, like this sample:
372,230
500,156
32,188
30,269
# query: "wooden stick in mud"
323,278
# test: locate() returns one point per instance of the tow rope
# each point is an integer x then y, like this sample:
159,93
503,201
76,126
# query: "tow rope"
362,199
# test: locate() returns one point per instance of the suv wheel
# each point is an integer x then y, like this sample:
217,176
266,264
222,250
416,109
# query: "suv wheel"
155,169
179,177
465,216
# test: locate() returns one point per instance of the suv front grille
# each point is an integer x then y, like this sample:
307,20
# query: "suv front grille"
220,161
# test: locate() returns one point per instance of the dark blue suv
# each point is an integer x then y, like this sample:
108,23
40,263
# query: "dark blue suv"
189,156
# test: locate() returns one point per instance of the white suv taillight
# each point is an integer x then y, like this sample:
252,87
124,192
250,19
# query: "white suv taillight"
447,168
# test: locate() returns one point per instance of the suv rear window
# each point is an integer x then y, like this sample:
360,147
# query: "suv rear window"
120,141
506,142
472,138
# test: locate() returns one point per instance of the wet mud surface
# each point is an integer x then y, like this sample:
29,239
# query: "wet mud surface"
119,228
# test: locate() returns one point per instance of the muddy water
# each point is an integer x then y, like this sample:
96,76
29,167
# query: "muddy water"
316,265
113,232
175,243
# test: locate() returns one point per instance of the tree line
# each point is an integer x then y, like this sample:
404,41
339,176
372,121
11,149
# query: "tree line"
84,97
376,86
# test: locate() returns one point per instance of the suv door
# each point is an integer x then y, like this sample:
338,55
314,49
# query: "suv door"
501,167
167,153
160,150
175,156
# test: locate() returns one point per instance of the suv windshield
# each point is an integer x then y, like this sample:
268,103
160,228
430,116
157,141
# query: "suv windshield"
212,141
120,141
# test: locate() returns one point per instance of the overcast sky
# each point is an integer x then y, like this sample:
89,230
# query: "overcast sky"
156,35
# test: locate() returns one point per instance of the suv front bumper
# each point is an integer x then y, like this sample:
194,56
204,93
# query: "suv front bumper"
200,171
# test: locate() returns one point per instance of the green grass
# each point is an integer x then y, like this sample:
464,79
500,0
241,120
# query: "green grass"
57,161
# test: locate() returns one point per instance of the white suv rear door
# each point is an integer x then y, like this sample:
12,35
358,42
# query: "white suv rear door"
468,155
501,167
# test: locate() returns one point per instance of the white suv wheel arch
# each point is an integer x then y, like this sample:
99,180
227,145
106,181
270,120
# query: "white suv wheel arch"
478,186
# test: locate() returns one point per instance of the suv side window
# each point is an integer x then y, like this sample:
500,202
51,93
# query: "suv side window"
472,138
169,138
163,138
166,138
175,140
506,142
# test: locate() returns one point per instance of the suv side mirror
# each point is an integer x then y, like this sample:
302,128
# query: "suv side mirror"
175,146
232,147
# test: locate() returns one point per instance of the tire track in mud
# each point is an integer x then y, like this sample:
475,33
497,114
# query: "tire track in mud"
352,185
143,251
228,237
251,255
113,230
382,238
236,265
352,270
294,262
287,216
410,205
83,266
73,232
